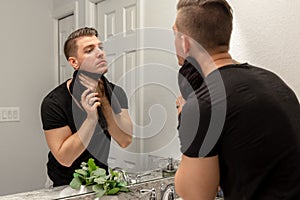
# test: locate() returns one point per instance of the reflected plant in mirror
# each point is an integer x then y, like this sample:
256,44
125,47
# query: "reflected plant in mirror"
91,175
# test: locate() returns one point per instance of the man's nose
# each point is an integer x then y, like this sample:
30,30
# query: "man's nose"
99,52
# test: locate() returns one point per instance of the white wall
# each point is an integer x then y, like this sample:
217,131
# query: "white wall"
27,74
267,33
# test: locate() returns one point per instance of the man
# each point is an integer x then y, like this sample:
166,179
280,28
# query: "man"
81,115
240,128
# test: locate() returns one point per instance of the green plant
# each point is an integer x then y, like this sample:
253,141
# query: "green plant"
91,175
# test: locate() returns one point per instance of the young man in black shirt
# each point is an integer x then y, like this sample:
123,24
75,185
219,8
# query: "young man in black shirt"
240,124
82,114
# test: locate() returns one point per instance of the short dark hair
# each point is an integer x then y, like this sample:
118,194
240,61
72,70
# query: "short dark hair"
70,46
185,3
208,22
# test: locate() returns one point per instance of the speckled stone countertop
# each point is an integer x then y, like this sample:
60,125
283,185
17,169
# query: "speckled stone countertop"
65,192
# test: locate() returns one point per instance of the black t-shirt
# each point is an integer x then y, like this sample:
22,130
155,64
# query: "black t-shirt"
251,119
58,109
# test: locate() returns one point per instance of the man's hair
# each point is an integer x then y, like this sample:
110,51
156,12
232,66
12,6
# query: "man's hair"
70,46
185,3
208,22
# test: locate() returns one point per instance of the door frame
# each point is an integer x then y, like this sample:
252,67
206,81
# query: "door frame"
58,13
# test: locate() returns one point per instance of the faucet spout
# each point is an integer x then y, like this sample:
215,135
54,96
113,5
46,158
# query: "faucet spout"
124,174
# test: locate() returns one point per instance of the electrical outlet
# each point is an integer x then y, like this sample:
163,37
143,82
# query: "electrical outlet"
9,114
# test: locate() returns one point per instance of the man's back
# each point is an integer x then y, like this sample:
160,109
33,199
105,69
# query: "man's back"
259,149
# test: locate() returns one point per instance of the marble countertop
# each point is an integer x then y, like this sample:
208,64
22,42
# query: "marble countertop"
67,193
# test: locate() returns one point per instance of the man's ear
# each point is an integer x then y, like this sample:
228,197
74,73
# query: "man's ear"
185,44
73,62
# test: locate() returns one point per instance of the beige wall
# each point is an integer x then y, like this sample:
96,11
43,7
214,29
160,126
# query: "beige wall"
27,74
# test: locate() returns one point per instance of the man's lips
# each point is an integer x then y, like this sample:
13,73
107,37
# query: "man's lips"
101,62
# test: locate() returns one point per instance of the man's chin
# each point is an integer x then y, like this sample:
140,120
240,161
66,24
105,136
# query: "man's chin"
103,70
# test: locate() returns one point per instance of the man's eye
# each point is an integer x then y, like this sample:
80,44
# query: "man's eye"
101,47
88,51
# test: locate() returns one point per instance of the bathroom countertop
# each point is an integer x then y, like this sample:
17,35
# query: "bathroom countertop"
52,193
65,192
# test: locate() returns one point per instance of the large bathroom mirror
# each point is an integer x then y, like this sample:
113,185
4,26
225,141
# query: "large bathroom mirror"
138,41
144,64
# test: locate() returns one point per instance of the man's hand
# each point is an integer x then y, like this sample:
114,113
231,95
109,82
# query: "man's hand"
90,102
94,86
88,82
179,103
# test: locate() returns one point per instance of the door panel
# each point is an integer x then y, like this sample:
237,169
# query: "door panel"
65,27
117,23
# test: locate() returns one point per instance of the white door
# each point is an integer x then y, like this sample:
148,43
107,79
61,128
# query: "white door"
117,22
65,27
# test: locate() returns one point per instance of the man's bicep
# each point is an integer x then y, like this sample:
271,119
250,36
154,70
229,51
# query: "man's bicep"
197,178
56,137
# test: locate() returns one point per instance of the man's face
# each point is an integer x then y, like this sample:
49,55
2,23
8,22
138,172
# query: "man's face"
178,46
90,55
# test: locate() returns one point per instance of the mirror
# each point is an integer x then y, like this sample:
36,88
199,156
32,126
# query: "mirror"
29,71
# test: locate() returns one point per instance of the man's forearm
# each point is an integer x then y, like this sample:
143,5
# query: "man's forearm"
119,125
75,145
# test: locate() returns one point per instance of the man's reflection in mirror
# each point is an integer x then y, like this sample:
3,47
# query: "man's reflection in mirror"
81,115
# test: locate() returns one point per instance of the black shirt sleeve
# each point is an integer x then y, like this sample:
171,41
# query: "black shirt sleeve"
52,114
121,96
194,125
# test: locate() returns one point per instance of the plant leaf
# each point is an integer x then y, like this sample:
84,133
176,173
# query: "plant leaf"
100,194
98,188
75,183
82,172
100,180
113,191
75,175
98,172
124,189
121,184
91,165
111,183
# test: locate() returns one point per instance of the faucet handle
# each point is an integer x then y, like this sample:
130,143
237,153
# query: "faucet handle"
147,191
139,176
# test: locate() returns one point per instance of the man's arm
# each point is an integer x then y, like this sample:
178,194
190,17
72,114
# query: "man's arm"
197,178
67,147
119,125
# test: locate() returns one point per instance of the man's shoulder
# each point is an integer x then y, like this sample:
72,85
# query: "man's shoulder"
116,88
57,94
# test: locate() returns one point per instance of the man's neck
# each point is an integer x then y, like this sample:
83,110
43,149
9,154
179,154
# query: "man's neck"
215,61
222,59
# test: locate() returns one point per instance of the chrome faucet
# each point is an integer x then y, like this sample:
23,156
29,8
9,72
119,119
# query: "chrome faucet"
139,176
147,191
168,192
125,176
